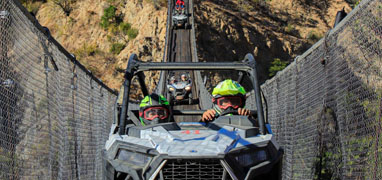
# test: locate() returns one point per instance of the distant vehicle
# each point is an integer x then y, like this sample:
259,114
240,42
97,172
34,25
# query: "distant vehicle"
179,5
179,90
179,16
230,147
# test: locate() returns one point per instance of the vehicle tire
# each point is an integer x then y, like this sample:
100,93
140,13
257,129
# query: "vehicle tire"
122,176
109,171
276,172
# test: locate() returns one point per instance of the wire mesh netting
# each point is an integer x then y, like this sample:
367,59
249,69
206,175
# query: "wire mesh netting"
326,107
54,115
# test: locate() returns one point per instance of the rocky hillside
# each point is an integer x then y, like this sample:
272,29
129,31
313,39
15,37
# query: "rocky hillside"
103,33
273,30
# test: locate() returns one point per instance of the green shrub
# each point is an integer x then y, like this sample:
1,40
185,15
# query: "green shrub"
108,17
87,50
353,3
109,38
32,5
132,33
124,27
163,3
113,28
116,48
289,28
119,69
66,5
276,65
158,3
260,1
313,36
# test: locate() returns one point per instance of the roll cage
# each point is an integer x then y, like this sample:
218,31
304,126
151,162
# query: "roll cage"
246,67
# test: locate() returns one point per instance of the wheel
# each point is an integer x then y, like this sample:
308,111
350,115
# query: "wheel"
122,176
274,174
110,172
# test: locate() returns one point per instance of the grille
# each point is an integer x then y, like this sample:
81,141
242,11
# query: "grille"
192,169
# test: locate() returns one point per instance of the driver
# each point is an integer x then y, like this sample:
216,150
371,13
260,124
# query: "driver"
184,77
172,80
227,95
154,109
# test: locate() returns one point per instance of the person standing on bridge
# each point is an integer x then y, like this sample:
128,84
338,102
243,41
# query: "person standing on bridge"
227,95
154,109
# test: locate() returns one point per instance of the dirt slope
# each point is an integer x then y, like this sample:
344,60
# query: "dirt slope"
226,30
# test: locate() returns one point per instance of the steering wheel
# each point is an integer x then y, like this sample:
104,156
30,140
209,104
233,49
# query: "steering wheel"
229,111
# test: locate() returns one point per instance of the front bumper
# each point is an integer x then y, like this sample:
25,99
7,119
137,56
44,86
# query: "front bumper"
197,167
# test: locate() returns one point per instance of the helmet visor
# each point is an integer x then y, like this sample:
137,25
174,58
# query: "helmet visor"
155,112
229,101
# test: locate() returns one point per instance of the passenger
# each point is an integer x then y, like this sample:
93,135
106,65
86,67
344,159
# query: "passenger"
172,80
154,109
179,5
184,77
227,95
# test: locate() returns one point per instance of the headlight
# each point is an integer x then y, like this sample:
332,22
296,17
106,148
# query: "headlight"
246,159
134,158
187,88
171,89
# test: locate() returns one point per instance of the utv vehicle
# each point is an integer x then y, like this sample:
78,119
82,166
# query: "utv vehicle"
178,89
179,18
230,147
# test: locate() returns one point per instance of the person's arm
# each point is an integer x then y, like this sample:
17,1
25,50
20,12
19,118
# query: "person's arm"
208,115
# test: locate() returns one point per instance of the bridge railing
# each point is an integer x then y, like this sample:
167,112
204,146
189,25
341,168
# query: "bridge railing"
325,108
54,114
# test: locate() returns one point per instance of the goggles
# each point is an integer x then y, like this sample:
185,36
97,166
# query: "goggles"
229,101
155,112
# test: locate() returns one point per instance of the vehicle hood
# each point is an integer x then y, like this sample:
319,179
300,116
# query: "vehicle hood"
191,142
179,17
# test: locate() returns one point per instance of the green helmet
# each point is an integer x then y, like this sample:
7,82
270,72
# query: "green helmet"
154,103
228,94
154,100
228,87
